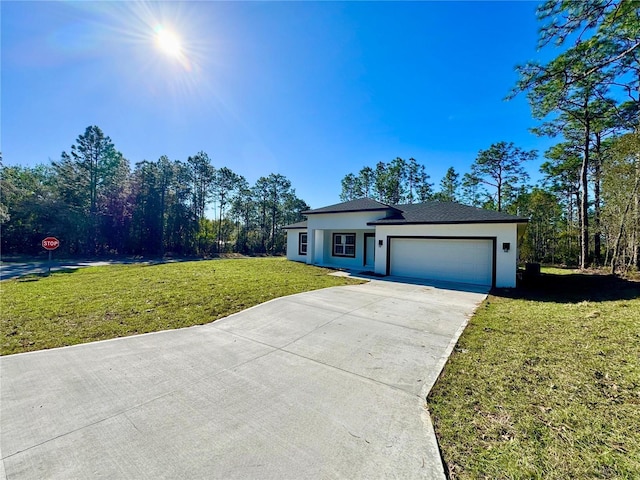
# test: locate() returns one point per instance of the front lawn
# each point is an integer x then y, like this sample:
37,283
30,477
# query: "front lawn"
97,303
545,383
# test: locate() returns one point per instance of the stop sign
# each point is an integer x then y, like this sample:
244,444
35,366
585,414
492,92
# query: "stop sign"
50,243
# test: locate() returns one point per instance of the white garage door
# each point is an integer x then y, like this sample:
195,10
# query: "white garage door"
452,260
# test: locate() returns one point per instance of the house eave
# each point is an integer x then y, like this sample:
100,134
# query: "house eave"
522,221
311,212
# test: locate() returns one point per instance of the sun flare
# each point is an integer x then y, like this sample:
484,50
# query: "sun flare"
168,42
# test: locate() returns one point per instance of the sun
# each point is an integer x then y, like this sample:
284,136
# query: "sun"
168,42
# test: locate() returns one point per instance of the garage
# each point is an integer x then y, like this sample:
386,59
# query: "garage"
452,259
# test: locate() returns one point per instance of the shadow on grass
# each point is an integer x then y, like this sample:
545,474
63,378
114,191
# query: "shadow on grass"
573,288
39,269
31,278
34,277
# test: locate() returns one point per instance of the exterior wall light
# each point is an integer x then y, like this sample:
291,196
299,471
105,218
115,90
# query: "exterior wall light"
506,246
379,243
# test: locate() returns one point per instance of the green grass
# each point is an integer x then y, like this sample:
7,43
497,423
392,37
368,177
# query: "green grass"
98,303
545,383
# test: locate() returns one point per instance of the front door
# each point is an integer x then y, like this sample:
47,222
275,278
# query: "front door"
369,249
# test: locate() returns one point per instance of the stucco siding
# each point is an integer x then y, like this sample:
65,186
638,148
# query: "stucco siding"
343,221
293,247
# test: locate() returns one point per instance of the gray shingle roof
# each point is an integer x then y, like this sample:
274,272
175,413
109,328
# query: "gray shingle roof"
416,213
296,225
358,205
445,212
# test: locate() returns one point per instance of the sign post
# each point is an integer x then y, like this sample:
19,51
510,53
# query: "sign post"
50,244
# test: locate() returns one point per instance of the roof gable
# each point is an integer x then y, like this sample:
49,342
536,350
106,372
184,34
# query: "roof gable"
357,205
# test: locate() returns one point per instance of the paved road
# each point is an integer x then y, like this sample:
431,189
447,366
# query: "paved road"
324,384
9,270
20,269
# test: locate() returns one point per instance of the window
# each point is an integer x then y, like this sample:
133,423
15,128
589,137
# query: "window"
302,243
344,244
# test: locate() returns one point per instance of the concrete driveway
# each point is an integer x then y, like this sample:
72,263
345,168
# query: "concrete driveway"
324,384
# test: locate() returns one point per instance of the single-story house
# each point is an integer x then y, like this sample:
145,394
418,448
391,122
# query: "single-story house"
434,240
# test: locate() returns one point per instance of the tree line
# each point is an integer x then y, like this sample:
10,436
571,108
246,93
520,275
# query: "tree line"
96,204
586,209
589,98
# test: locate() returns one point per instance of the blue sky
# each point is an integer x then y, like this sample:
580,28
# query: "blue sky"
309,90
